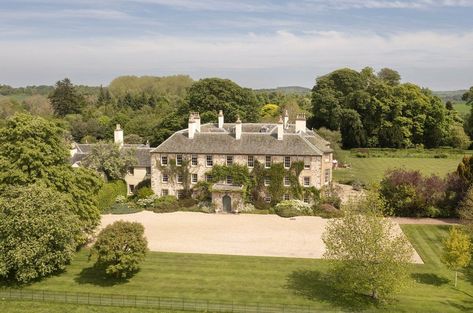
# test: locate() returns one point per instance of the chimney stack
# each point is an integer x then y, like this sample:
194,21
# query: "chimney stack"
196,116
238,129
191,128
300,123
118,136
280,128
220,119
286,119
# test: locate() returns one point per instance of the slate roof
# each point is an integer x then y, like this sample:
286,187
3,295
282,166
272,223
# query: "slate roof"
142,153
256,139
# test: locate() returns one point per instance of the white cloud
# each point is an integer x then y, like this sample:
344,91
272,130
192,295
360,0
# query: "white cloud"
284,58
63,14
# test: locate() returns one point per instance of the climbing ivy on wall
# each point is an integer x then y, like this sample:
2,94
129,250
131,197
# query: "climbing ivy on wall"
253,182
173,170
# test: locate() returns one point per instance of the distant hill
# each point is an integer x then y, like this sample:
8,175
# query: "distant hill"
287,90
452,95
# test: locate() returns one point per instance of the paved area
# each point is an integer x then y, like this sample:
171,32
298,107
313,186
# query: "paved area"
243,234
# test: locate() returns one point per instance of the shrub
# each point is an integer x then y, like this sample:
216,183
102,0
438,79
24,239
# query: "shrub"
109,192
187,202
290,208
144,192
248,208
165,204
329,195
408,193
206,207
124,208
327,211
119,248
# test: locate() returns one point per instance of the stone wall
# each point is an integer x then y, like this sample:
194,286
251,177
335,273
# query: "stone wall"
316,172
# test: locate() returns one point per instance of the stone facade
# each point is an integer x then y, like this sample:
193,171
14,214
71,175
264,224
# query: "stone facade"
240,141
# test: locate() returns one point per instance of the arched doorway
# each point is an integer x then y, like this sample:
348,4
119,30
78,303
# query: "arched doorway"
227,204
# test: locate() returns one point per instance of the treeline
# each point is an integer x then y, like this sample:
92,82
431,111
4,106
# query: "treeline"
376,110
368,109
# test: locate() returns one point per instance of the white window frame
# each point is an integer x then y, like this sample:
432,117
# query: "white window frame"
165,181
306,199
306,181
179,158
195,158
268,161
229,180
208,177
287,181
164,157
194,181
209,160
286,196
287,159
229,158
266,180
267,199
307,165
164,192
250,161
180,178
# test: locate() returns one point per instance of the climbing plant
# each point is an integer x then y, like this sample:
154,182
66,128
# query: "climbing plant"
173,170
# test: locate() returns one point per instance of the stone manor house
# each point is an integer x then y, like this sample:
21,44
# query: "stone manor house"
200,147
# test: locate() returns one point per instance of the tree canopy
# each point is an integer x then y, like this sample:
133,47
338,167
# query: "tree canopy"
38,232
214,94
366,253
32,150
119,248
377,111
65,99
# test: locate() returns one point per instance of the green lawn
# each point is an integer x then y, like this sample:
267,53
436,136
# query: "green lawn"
372,170
267,280
462,108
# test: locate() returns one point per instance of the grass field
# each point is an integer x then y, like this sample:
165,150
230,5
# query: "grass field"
372,170
462,108
267,280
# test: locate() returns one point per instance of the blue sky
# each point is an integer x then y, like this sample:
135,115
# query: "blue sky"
258,44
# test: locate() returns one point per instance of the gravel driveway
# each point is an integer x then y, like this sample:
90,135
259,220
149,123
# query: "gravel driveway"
243,234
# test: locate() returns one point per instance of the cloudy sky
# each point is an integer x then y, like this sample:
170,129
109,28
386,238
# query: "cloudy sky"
258,44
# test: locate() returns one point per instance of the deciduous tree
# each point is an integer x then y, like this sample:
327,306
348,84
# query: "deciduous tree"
119,248
38,232
457,250
366,253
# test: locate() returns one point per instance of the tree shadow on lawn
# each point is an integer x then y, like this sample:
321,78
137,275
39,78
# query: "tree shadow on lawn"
315,285
429,279
96,276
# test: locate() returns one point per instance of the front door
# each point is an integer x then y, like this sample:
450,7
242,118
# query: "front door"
227,204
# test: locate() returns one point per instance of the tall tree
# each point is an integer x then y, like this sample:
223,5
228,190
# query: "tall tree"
110,160
32,150
38,232
457,250
214,94
390,76
65,99
366,254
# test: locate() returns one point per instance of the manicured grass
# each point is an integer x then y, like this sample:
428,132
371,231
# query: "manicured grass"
372,170
462,108
271,280
43,307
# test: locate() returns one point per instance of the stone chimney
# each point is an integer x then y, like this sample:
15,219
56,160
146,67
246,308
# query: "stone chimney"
286,119
238,129
197,121
280,128
192,127
118,136
300,123
220,119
